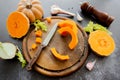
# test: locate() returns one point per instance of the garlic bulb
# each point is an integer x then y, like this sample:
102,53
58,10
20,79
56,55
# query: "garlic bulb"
57,10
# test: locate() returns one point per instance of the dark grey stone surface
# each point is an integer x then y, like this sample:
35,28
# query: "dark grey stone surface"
107,68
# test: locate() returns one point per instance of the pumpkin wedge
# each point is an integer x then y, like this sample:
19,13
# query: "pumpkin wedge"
101,43
74,41
17,24
58,55
68,23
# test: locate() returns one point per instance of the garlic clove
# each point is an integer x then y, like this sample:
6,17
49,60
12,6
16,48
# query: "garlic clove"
90,65
79,18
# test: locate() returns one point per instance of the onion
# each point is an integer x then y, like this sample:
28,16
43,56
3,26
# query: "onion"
7,50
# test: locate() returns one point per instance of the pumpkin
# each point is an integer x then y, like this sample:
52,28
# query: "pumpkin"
101,43
49,19
38,33
58,55
68,23
34,46
38,40
17,24
31,8
73,43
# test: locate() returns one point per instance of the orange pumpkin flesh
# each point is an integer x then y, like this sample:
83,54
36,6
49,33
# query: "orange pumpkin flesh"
74,41
68,23
59,56
17,24
38,33
101,42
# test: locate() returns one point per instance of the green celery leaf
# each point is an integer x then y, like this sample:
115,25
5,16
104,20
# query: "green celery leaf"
100,27
92,27
40,25
21,58
89,27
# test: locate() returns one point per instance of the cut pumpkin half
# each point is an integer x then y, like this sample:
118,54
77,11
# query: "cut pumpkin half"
17,24
101,43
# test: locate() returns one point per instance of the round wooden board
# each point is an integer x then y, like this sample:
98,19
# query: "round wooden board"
47,64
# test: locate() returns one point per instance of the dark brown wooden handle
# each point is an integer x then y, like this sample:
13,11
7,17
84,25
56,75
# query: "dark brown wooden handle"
35,57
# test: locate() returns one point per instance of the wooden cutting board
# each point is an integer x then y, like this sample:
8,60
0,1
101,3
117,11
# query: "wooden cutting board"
47,64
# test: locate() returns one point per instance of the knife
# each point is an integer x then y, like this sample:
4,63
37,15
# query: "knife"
43,45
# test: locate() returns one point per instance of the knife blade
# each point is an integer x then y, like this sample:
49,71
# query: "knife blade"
43,45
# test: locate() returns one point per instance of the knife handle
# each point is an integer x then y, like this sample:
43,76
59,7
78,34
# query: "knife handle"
35,57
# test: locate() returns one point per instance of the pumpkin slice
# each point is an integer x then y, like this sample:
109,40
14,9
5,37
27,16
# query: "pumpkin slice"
68,23
101,43
73,43
58,55
17,24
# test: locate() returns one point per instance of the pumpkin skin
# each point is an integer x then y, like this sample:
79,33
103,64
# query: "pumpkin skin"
31,8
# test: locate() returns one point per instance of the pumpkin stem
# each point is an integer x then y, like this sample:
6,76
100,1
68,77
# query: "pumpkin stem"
28,6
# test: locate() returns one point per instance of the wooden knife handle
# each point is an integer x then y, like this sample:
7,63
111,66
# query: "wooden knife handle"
35,57
103,17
